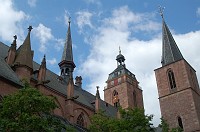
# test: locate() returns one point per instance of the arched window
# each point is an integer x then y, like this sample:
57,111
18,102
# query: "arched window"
115,98
134,99
62,72
180,123
66,71
80,120
172,81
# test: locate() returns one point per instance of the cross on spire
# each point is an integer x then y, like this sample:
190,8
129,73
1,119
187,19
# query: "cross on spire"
69,20
15,37
120,50
30,28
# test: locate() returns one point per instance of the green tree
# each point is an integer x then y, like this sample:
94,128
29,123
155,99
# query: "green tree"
132,120
28,110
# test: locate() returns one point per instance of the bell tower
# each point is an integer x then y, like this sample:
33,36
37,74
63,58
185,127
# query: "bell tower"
122,87
178,88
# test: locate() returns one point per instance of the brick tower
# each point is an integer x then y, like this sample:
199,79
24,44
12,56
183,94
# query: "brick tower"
122,87
178,87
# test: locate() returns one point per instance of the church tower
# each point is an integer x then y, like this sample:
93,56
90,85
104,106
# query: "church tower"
178,87
67,64
122,87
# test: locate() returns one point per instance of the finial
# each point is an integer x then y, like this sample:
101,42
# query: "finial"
30,28
69,20
161,9
15,37
97,87
44,56
119,50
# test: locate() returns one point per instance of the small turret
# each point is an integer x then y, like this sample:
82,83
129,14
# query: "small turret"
12,52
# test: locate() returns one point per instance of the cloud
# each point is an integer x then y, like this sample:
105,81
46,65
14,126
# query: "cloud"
44,34
84,19
32,3
97,2
142,56
11,21
198,12
52,61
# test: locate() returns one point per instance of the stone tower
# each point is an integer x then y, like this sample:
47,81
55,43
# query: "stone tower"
122,87
178,88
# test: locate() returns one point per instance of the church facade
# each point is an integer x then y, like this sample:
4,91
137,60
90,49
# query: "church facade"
178,87
76,105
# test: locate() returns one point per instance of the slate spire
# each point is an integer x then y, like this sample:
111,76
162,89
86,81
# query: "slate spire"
24,53
170,50
67,64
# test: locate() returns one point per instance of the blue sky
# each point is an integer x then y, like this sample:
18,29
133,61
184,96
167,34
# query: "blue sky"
98,29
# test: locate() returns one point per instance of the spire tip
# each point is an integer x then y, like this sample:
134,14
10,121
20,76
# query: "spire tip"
30,28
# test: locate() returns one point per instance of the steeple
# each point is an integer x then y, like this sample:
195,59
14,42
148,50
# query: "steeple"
97,100
42,70
120,58
170,50
24,55
67,64
12,51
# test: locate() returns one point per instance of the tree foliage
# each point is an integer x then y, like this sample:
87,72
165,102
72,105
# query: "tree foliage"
28,110
131,120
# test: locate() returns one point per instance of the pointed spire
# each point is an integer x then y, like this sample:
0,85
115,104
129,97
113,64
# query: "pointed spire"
97,93
67,52
43,63
12,51
42,70
24,52
170,50
67,64
97,100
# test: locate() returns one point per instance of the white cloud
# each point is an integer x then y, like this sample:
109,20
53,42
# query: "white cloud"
43,33
97,2
32,3
84,19
142,57
198,12
52,61
11,21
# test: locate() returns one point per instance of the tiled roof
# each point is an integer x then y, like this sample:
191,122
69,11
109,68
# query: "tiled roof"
84,98
170,51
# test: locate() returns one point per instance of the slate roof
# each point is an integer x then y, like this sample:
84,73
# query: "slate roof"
119,71
170,51
85,98
67,52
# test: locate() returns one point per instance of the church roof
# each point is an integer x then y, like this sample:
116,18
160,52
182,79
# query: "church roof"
85,98
170,51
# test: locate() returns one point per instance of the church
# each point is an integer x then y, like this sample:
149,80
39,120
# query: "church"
177,83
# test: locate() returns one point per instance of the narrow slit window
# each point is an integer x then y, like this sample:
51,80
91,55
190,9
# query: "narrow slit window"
180,123
172,81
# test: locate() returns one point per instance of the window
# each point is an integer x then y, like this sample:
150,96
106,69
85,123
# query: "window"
80,120
134,99
180,123
115,98
172,81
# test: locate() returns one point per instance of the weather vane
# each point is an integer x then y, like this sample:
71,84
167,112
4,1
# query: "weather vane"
161,9
69,19
119,50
